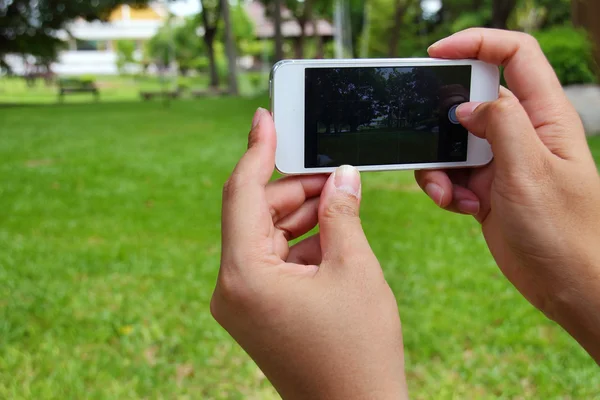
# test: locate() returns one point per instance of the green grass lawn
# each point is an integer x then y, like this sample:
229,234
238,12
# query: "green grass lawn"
109,251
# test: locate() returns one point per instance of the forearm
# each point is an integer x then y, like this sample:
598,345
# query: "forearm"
576,307
355,389
380,376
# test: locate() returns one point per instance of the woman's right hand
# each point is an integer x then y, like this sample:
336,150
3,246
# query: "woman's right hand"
539,201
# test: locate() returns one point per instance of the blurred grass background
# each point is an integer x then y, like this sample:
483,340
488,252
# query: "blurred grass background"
109,251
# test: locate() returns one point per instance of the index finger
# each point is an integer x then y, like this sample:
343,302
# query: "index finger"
527,71
244,198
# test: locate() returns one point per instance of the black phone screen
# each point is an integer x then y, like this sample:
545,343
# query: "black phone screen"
381,116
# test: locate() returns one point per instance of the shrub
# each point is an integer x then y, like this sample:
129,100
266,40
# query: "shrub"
570,52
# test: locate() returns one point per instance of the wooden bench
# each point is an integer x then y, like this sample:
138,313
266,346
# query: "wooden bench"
74,86
209,92
172,94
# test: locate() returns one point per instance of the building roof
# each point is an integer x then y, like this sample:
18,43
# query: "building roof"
265,28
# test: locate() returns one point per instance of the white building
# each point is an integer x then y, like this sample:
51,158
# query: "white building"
92,50
92,47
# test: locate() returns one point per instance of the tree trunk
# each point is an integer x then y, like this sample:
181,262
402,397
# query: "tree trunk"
584,14
320,47
501,11
230,49
395,31
300,41
209,38
210,31
309,21
278,33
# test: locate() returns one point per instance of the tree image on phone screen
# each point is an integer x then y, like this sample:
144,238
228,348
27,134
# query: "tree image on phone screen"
390,115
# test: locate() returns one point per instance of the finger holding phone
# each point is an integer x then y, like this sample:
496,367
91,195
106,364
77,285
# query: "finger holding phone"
539,200
318,317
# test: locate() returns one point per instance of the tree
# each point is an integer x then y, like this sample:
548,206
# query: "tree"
211,15
278,22
230,48
188,50
400,9
388,19
585,14
324,9
302,12
31,27
181,43
501,11
242,29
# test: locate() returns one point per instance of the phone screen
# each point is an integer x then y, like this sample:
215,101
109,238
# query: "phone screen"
382,116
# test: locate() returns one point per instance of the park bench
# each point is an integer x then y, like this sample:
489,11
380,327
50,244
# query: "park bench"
165,94
73,86
208,92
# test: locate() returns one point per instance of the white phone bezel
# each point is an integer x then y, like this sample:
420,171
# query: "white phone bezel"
288,102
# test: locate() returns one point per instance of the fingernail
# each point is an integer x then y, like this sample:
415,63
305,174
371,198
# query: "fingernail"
347,179
436,193
470,207
466,109
257,116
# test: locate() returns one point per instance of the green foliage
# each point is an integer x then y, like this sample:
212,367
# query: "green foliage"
414,29
243,32
471,19
125,54
557,12
570,52
28,27
188,46
180,42
211,13
158,48
189,49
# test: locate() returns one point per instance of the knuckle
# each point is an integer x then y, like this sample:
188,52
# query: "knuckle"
502,108
231,291
505,105
528,40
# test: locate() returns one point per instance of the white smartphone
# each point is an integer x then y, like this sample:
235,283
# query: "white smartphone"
385,114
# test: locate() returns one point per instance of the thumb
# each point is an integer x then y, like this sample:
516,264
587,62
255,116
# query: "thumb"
507,127
342,236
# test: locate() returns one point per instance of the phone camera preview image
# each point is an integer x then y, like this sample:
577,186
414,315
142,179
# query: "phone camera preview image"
384,116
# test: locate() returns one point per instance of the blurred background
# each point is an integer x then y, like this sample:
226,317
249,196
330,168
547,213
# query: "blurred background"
119,123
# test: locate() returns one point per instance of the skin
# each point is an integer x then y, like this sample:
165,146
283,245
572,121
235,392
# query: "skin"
307,314
319,318
538,202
